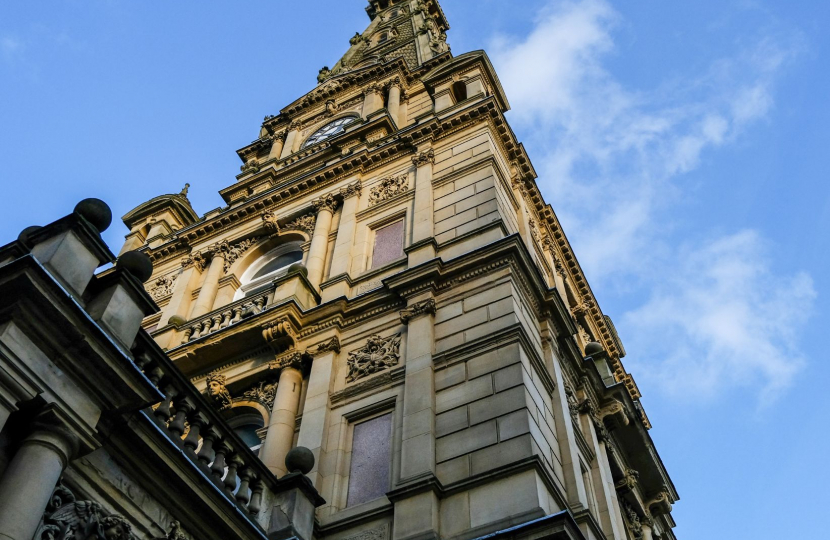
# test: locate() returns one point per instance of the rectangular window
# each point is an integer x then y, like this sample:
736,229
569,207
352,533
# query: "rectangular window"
388,244
371,460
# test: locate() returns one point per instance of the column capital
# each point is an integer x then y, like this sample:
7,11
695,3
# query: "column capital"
196,259
425,307
352,189
51,430
327,202
424,158
330,345
295,125
291,360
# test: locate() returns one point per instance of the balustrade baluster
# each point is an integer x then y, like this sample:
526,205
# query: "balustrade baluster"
162,412
231,478
245,475
226,319
218,467
183,408
237,315
191,442
256,495
188,335
209,438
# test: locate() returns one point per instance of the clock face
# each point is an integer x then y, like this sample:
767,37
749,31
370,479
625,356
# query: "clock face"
329,130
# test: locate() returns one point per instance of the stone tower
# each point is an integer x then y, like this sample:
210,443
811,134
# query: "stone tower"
387,287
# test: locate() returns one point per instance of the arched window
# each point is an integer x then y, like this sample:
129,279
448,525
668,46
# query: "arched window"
246,422
267,268
329,131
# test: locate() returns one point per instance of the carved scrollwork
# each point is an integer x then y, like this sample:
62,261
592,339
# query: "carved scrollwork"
352,190
263,393
303,223
230,253
331,345
69,519
378,354
388,188
418,309
292,359
163,287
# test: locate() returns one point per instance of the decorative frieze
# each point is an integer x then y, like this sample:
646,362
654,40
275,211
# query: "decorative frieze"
427,307
378,354
218,392
263,393
303,223
163,287
388,188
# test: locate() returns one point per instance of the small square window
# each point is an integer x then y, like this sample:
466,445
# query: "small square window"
388,245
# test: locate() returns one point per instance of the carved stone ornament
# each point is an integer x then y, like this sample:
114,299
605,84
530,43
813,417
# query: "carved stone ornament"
388,188
270,221
251,166
331,108
197,260
534,230
231,252
324,74
303,223
439,43
633,519
292,359
355,39
325,203
176,532
378,354
573,403
547,243
332,345
424,158
373,88
218,392
355,189
263,393
279,331
418,309
629,480
163,287
69,519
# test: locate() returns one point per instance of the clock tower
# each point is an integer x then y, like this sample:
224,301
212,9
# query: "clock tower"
386,286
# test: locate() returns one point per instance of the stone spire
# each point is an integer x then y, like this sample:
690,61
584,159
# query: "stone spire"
415,30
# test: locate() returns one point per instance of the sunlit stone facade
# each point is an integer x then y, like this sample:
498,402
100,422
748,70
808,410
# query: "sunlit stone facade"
387,288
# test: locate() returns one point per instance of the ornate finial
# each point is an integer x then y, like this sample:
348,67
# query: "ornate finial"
217,390
185,190
324,74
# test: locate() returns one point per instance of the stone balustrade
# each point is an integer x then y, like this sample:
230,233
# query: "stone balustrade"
224,317
187,418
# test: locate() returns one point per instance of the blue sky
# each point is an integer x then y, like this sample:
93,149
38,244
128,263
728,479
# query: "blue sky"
681,143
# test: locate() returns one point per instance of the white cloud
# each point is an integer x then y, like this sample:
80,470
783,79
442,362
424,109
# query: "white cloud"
625,152
10,47
720,318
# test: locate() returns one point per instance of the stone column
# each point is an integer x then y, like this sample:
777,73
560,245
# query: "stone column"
210,286
416,512
418,448
179,304
228,286
423,219
403,112
292,141
325,208
394,98
647,532
279,438
314,429
342,256
372,100
277,146
30,478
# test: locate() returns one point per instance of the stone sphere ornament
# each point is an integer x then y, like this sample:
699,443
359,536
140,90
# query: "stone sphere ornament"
96,212
298,267
593,348
299,459
136,263
26,233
